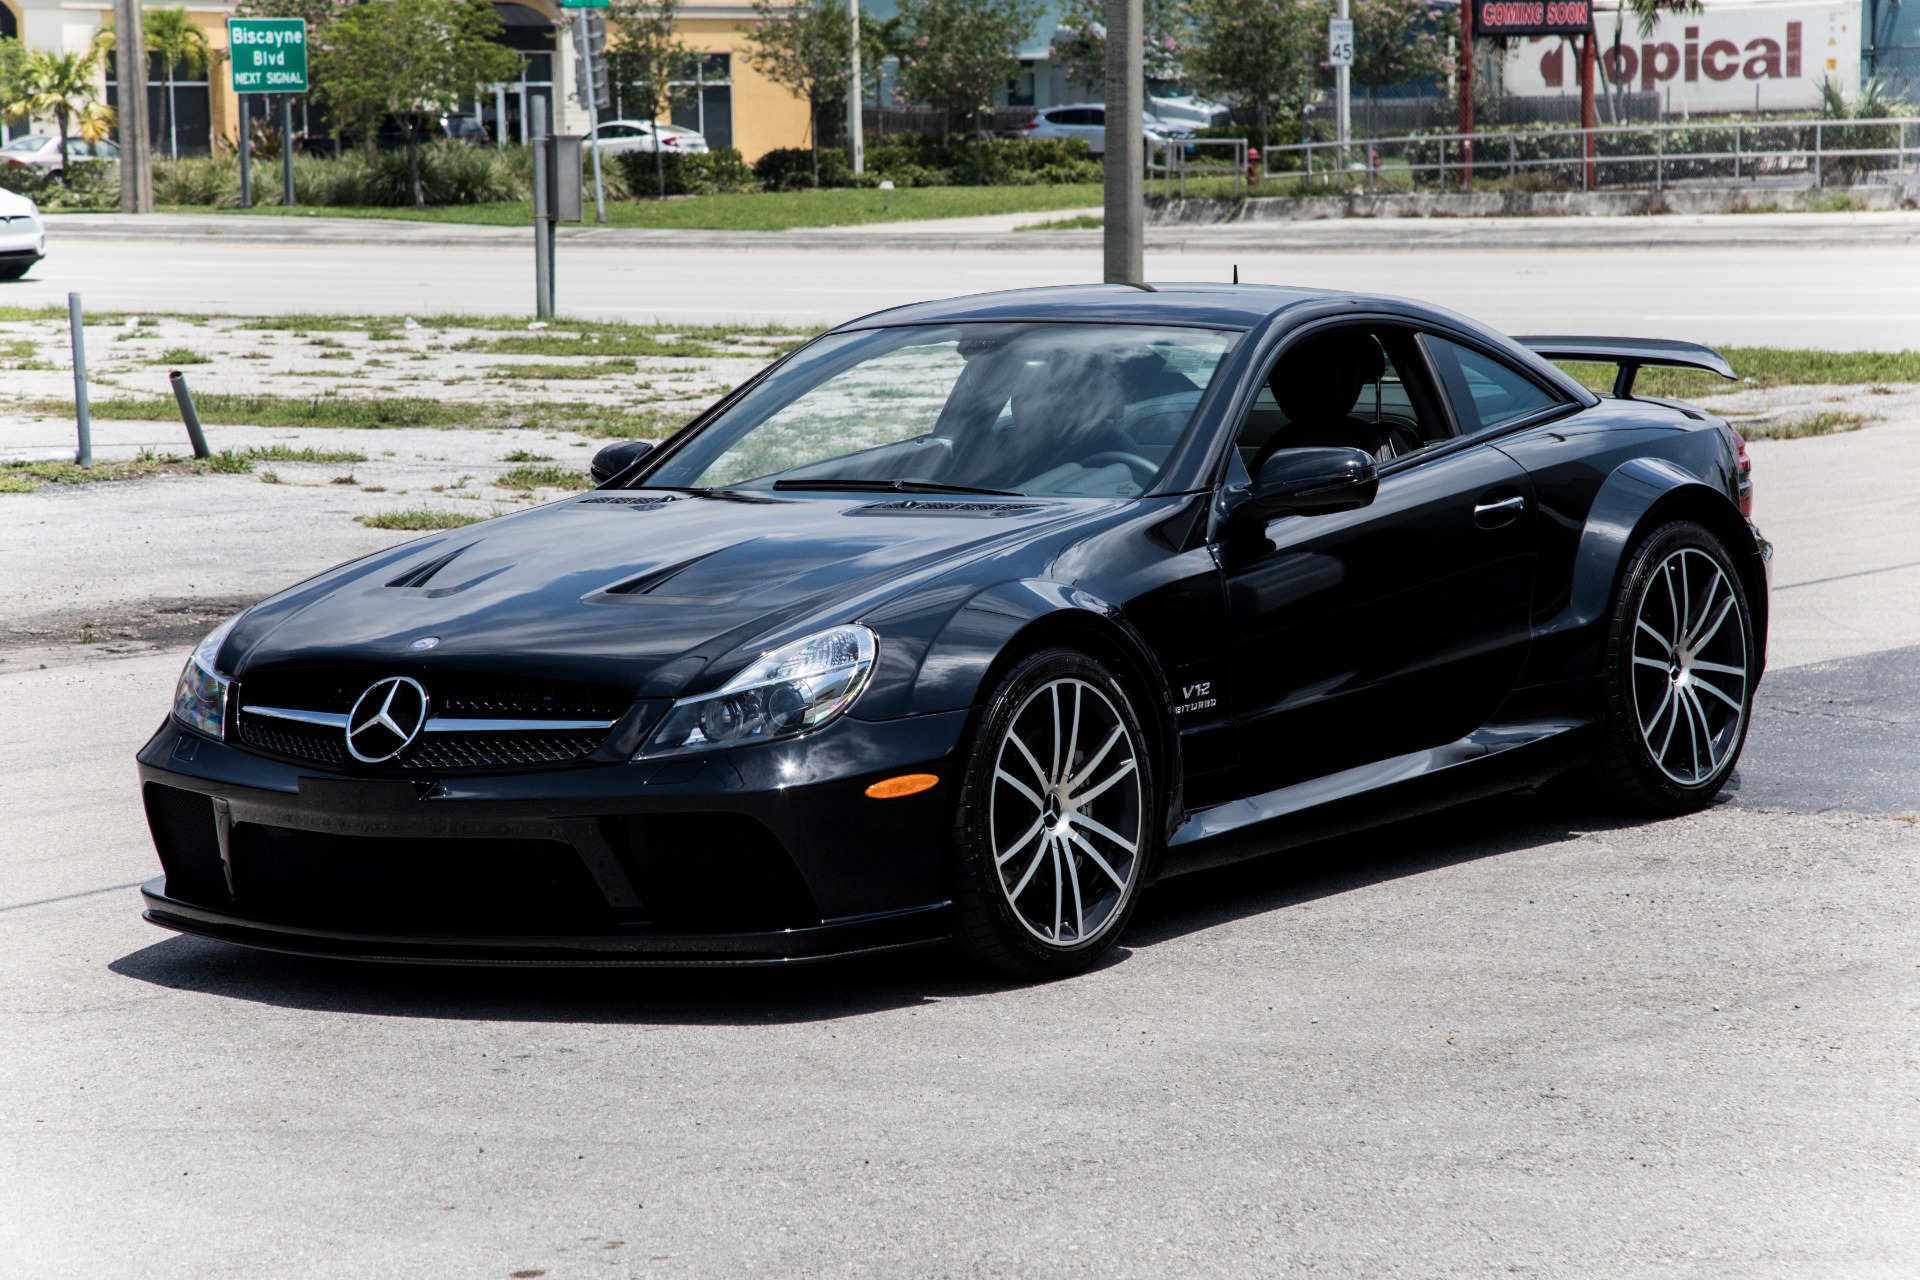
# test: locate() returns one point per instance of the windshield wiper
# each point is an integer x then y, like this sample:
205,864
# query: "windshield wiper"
894,486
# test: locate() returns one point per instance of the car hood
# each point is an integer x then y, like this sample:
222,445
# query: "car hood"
14,205
640,589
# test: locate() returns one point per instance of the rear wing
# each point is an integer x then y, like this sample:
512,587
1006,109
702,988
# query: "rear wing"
1630,354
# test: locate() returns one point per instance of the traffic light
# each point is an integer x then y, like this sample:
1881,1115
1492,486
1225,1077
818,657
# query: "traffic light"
590,64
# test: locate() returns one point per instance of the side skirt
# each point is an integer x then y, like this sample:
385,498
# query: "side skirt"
1492,759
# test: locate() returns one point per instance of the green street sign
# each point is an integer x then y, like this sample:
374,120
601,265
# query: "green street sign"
268,55
584,4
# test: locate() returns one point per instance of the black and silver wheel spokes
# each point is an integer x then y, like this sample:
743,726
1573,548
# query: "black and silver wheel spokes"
1689,666
1066,813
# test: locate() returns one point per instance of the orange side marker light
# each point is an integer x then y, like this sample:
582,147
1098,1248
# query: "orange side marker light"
907,784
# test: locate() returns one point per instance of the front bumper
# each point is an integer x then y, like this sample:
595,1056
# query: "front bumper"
767,855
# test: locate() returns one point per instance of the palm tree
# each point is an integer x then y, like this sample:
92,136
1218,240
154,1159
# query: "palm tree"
58,84
179,44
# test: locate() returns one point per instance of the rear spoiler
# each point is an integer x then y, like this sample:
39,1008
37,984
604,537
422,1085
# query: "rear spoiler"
1629,354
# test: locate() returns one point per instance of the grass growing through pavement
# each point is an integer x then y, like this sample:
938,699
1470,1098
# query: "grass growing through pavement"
757,211
1828,422
26,477
1080,222
544,478
377,412
417,519
562,372
1763,367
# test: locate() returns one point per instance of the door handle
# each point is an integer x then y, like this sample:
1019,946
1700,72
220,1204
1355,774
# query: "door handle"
1500,511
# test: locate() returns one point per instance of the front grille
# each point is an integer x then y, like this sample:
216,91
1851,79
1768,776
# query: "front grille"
400,884
711,873
309,742
499,750
453,695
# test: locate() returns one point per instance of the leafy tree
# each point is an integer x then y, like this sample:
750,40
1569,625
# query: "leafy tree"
1401,41
955,53
13,68
1646,16
59,85
1080,42
410,59
181,45
644,57
1257,55
804,48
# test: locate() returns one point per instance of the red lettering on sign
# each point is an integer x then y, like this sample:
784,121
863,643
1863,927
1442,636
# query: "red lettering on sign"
1620,64
1793,50
1711,64
1553,66
1693,54
1765,62
1657,62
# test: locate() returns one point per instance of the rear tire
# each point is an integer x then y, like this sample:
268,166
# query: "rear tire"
1055,823
1677,675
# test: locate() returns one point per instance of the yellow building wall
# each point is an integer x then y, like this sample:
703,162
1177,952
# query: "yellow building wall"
765,115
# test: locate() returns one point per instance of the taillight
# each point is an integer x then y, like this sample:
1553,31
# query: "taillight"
1743,472
1034,123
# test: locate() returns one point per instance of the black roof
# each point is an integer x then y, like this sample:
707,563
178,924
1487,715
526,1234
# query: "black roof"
1227,306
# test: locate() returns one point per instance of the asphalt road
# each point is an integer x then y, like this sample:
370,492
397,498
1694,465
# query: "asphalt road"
1784,280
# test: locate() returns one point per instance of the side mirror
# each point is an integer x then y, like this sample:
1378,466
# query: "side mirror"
1314,481
617,457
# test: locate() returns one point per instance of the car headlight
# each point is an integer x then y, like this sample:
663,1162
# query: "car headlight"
788,690
200,699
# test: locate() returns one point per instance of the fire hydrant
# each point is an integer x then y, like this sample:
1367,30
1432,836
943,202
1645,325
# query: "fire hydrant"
1253,165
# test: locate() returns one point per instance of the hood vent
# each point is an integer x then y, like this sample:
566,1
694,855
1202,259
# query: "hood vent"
629,499
419,575
653,578
944,507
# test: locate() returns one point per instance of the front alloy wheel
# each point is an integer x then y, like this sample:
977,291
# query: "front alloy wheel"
1055,820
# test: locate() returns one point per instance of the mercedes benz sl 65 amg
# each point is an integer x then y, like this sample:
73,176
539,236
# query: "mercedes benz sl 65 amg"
968,621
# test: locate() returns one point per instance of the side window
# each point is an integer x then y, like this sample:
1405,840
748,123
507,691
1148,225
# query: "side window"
1484,392
1360,388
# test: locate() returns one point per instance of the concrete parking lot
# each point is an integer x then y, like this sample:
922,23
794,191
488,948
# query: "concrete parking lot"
1520,1038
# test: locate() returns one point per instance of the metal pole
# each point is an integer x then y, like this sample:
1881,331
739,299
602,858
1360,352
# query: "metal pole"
1343,91
1125,203
246,151
856,94
130,74
593,113
1589,57
542,211
500,117
286,149
1464,125
83,420
188,414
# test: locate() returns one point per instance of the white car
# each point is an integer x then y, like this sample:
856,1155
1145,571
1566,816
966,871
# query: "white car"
1088,122
23,237
42,151
617,136
1185,108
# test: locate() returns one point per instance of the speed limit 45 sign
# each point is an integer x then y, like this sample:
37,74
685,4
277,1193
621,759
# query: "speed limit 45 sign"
1339,42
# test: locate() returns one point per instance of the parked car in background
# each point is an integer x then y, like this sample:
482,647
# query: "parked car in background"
23,237
1177,105
617,136
1088,122
42,151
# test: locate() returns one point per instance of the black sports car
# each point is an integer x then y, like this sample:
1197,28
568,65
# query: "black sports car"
969,620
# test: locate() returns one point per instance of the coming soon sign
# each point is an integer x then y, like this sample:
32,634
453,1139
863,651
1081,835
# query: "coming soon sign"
1727,57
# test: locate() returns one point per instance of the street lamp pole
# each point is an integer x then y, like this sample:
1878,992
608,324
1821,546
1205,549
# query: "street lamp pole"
1125,204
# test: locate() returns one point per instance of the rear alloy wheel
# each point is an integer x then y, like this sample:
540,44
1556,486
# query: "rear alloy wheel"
1054,824
1680,673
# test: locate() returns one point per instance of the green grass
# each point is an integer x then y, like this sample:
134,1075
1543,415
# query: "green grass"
26,477
1764,367
544,478
1079,222
181,355
559,372
375,413
523,455
417,519
287,453
758,211
1827,422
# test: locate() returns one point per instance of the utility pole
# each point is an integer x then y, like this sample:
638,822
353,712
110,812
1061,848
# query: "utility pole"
245,149
1126,83
1588,56
1464,125
856,140
130,75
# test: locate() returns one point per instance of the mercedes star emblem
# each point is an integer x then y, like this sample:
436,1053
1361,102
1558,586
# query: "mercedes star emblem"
386,719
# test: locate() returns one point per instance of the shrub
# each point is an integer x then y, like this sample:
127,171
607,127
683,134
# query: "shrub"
911,160
720,170
27,182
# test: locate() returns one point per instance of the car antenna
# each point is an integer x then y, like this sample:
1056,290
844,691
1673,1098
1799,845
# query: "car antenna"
1236,273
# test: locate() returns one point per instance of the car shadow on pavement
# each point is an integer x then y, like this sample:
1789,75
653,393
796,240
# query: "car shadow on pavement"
847,988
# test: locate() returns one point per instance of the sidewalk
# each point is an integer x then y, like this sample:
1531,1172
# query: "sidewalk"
996,233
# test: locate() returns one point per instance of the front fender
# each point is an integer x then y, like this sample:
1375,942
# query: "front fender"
936,654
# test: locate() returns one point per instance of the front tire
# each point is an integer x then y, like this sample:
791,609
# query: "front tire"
1678,675
1055,821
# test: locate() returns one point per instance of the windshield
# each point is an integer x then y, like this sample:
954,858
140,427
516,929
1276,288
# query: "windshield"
33,142
1078,410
